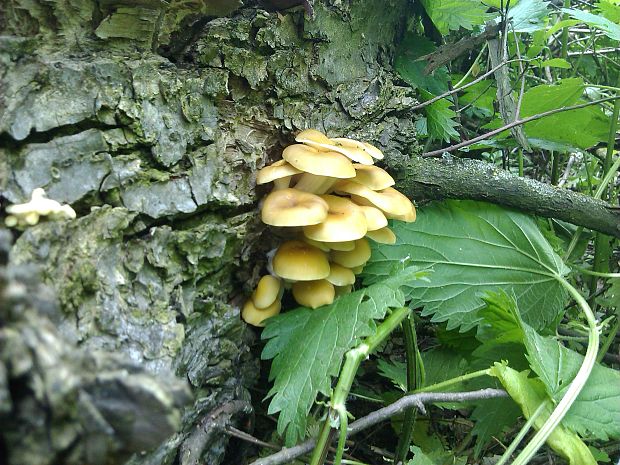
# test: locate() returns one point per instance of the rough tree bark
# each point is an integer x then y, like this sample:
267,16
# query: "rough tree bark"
151,117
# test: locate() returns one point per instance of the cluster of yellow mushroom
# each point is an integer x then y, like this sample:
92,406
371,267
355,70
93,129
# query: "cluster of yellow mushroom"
338,198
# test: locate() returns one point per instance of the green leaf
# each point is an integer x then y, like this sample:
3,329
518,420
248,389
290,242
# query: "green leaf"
419,457
596,411
582,128
490,418
434,457
556,63
481,95
451,15
474,247
529,15
561,25
439,119
530,394
611,297
395,371
307,347
610,29
609,10
407,65
500,320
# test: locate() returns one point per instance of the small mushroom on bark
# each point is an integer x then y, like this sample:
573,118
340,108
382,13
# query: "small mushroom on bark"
255,316
267,291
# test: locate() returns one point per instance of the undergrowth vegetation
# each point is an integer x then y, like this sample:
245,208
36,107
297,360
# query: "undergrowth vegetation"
522,313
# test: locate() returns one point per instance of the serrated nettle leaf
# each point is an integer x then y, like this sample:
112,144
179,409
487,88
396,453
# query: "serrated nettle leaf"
307,347
395,371
451,15
530,394
439,119
500,320
473,247
596,411
582,128
407,65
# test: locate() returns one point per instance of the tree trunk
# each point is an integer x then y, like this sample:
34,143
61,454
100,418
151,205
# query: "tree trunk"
150,118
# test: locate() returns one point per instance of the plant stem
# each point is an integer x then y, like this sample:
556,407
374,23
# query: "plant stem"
609,338
353,358
458,379
555,168
575,386
602,248
597,195
520,160
565,33
519,437
596,273
413,382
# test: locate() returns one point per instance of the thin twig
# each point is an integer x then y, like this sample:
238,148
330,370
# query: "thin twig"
522,73
232,431
414,400
452,148
569,165
592,52
458,89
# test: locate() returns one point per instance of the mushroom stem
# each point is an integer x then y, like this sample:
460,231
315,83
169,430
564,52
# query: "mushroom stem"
314,183
281,183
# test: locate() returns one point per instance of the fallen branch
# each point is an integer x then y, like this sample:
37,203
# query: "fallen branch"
414,400
458,178
446,53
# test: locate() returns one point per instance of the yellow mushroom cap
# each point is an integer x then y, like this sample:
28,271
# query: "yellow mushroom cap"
255,316
365,146
389,200
375,219
290,207
324,246
298,261
358,269
383,236
266,292
340,275
277,170
355,257
408,217
310,160
373,177
314,294
354,153
345,222
314,136
342,245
